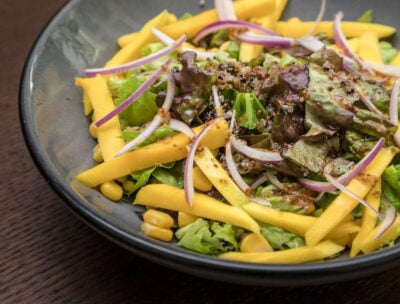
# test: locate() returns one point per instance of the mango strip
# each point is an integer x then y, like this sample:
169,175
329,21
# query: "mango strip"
370,244
350,28
369,47
321,251
173,198
133,49
296,223
244,10
342,205
220,178
108,135
168,150
127,38
368,221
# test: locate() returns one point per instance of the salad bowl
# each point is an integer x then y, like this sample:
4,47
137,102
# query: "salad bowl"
83,34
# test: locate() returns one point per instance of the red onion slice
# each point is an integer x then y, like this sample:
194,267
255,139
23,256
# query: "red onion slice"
150,128
139,62
389,220
384,69
311,43
217,104
156,120
341,41
169,98
188,167
180,126
319,18
260,155
272,41
164,38
135,95
348,176
259,181
231,24
369,104
225,9
350,193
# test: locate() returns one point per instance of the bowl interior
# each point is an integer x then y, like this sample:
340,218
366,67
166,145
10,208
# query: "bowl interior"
83,34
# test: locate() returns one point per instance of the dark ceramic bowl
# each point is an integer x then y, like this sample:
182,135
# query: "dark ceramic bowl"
83,34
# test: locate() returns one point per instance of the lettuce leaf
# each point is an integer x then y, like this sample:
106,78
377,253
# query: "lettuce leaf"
160,132
207,237
280,239
391,185
366,17
140,111
388,52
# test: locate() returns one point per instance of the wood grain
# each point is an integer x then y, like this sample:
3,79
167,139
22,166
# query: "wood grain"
47,255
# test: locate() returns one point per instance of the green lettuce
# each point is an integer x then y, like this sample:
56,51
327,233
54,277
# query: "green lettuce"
248,109
160,132
366,17
391,185
280,239
143,109
388,52
207,237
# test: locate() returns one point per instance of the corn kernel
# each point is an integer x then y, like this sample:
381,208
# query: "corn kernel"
254,242
200,181
97,156
185,219
158,218
128,185
111,190
162,234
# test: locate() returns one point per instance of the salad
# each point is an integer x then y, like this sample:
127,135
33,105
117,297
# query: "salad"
249,138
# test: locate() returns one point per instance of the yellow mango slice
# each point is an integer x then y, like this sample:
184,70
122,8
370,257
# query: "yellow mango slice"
133,49
127,38
108,135
244,10
164,151
369,47
173,198
220,178
368,221
342,205
396,60
370,243
350,29
200,180
321,251
296,223
354,44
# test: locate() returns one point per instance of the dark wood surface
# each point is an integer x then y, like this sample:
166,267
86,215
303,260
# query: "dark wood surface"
47,255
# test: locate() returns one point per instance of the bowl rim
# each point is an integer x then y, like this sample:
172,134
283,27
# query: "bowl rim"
196,264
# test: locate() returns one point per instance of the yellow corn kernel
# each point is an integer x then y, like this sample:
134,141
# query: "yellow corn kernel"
185,219
93,130
162,234
111,190
128,185
97,156
158,218
254,242
200,181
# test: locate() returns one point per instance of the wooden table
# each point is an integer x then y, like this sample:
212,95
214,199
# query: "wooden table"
47,255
